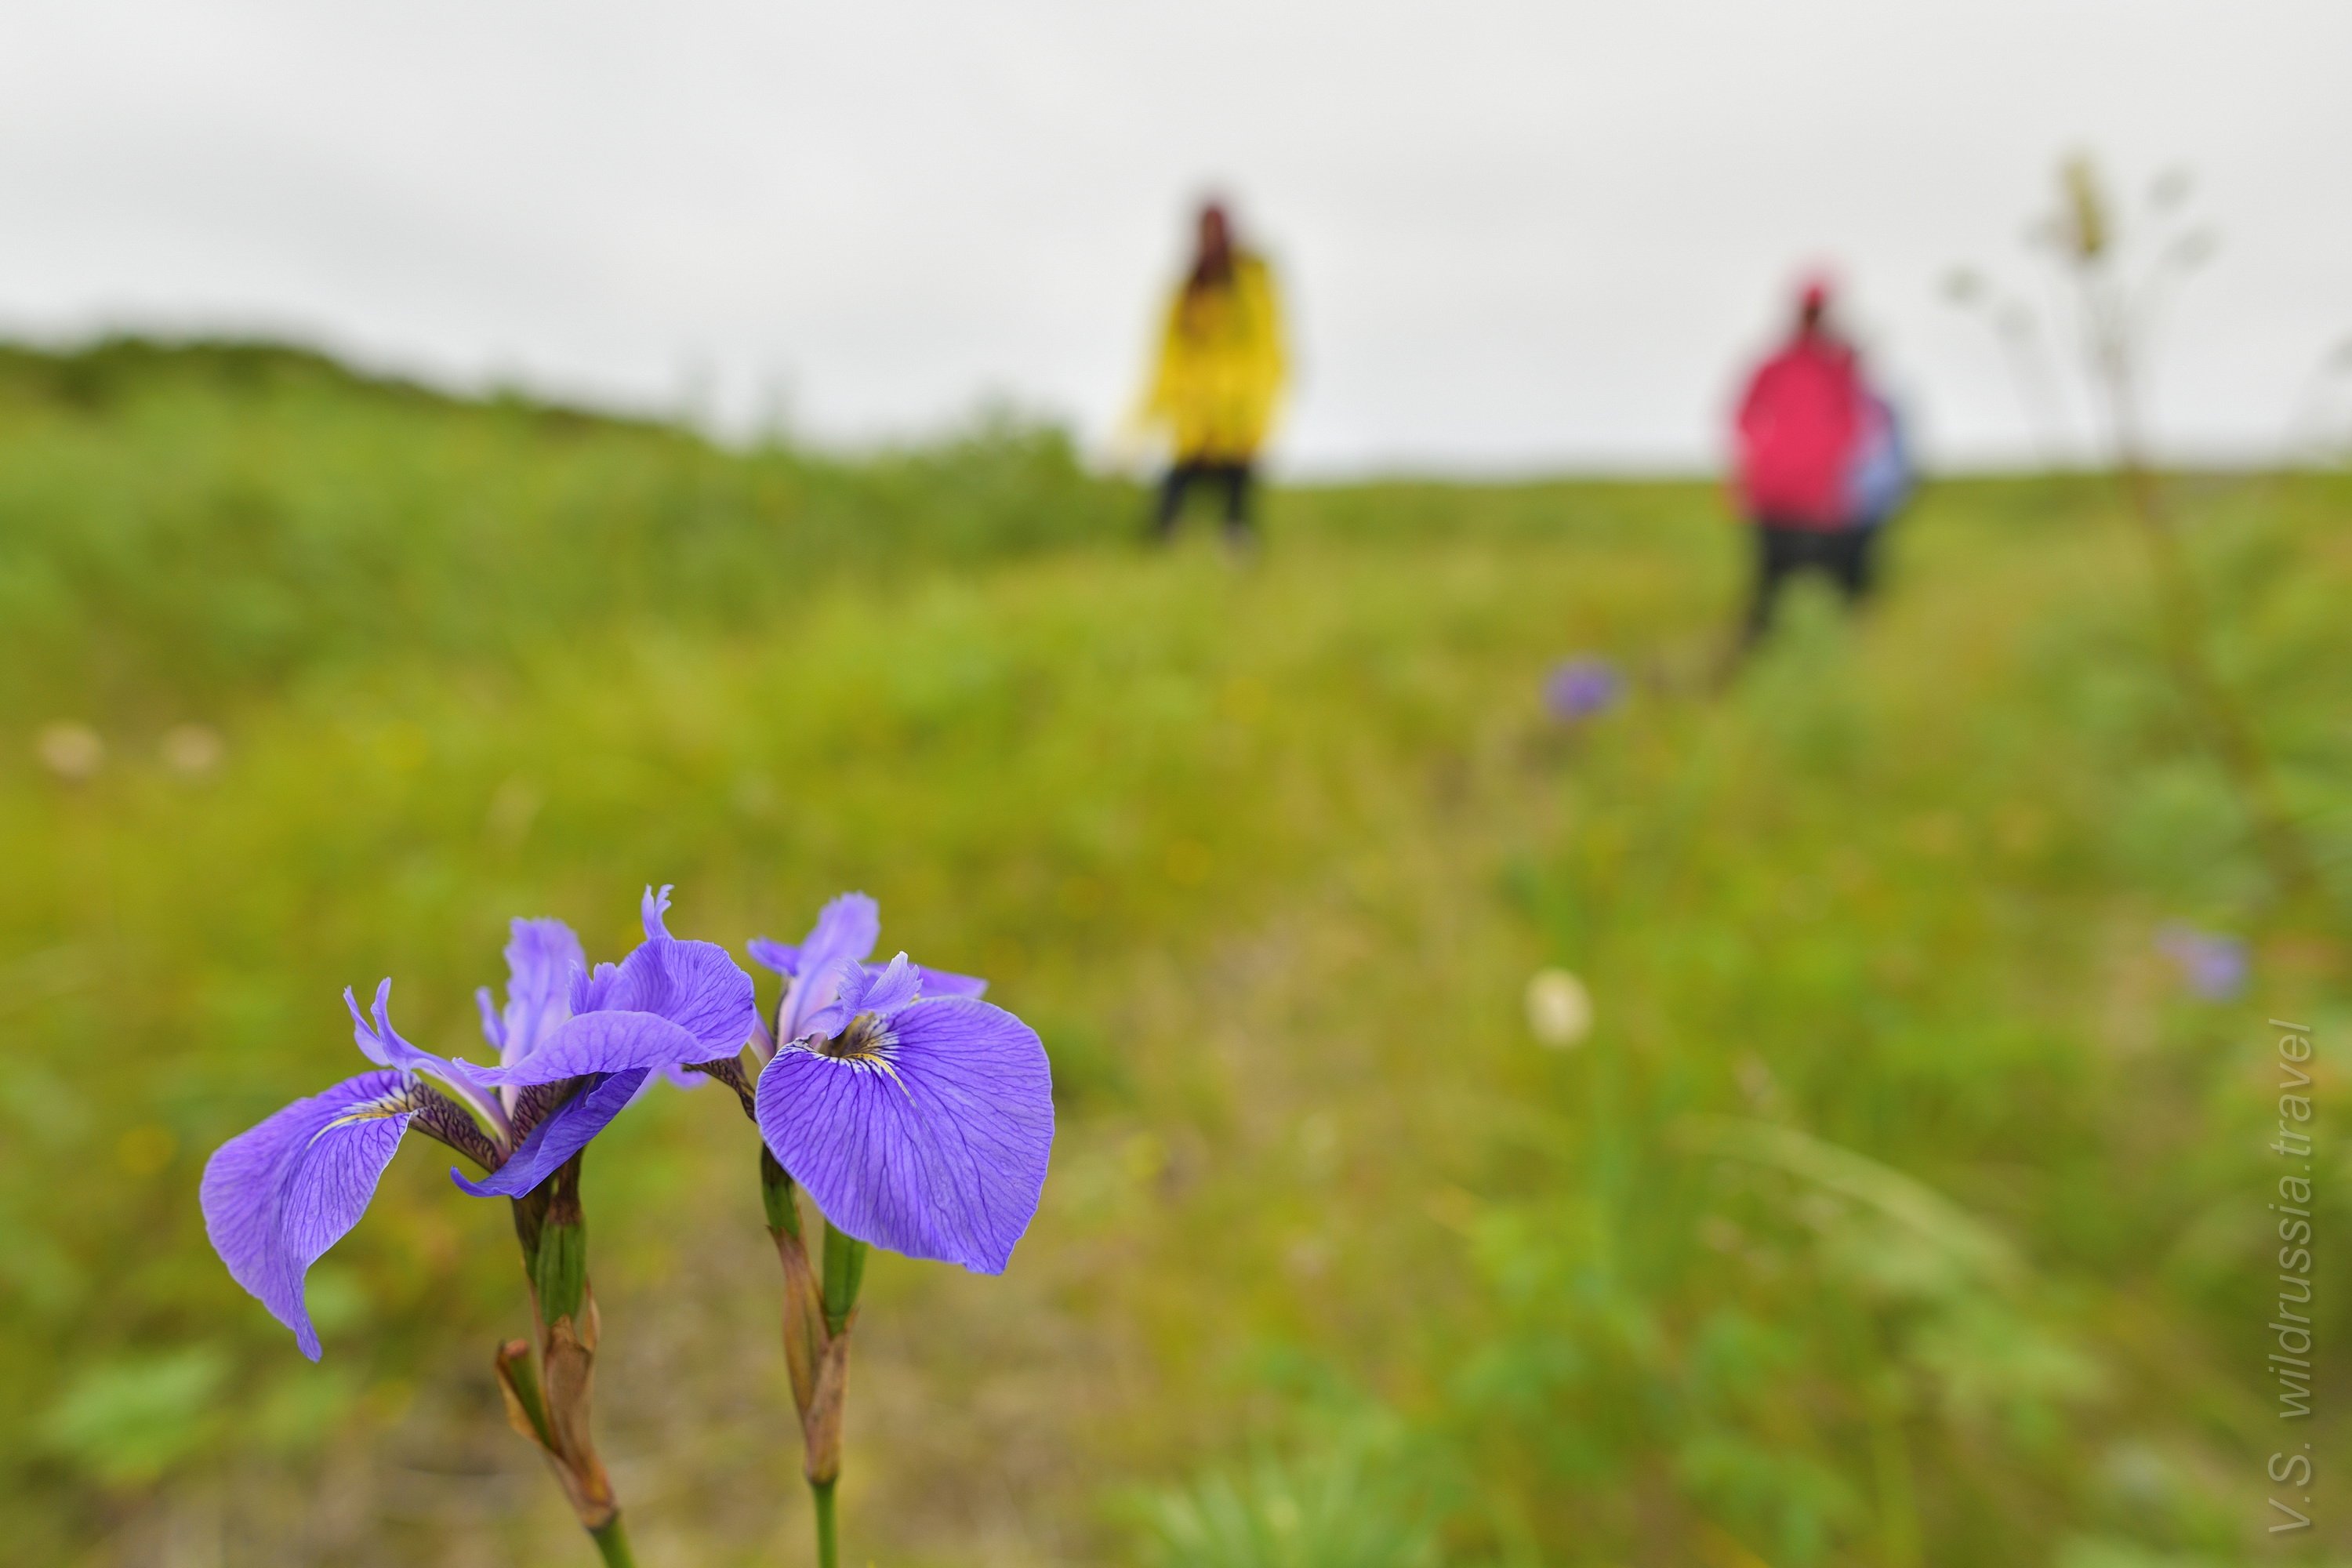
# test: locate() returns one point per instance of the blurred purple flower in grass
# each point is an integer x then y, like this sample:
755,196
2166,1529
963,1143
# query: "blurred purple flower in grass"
919,1116
1582,688
2213,965
573,1047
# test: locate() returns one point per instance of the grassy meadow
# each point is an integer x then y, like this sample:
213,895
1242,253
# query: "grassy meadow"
1904,1206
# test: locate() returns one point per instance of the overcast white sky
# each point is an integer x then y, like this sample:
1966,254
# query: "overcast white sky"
1513,235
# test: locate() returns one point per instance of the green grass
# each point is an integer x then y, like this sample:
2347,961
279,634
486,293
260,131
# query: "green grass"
1902,1208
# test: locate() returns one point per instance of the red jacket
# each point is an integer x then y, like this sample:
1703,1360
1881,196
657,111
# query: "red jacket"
1798,425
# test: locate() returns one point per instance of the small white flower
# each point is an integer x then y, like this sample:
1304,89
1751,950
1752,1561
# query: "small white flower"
1560,1009
68,749
191,750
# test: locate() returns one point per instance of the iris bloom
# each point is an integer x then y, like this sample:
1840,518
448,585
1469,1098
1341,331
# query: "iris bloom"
918,1116
1582,688
2213,964
574,1047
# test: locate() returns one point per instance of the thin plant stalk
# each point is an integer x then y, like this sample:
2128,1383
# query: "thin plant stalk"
828,1537
2182,620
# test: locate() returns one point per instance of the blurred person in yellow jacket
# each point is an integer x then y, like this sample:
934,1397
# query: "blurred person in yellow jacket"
1219,376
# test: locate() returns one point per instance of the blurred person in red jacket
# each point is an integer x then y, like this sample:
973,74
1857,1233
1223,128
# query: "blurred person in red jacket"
1803,422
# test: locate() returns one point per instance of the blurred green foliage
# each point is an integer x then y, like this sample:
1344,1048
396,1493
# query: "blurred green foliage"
184,523
1902,1208
1352,1504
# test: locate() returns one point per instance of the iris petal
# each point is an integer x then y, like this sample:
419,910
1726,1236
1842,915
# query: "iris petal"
651,908
382,1043
694,985
564,1132
277,1196
883,991
945,982
845,932
848,927
776,957
604,1042
817,1006
542,957
494,1028
935,1146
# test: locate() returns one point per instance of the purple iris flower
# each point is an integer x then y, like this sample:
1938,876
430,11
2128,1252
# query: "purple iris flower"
1582,688
918,1116
2214,966
574,1047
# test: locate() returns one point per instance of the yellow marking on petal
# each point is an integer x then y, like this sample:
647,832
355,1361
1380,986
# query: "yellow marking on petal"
863,1043
888,1072
381,1110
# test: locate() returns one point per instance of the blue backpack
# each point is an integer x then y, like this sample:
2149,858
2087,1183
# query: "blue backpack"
1878,477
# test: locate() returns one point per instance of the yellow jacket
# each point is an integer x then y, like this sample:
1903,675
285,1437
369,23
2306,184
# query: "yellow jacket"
1220,372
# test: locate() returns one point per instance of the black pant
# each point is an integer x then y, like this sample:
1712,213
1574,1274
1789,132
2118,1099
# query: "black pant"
1845,555
1233,478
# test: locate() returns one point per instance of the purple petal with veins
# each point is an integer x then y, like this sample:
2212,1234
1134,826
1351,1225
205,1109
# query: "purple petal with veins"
604,1042
276,1197
542,957
847,929
882,990
565,1131
382,1045
694,985
931,1138
845,932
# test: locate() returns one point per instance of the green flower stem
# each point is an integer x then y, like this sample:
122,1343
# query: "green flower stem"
612,1545
530,1219
828,1543
558,1262
776,1197
845,1270
560,1271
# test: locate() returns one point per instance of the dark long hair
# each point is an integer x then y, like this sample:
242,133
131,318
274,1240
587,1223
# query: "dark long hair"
1213,255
